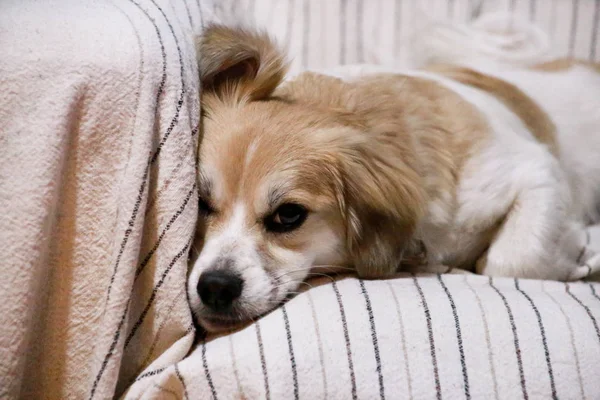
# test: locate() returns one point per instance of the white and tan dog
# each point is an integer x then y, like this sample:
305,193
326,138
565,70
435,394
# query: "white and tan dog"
489,170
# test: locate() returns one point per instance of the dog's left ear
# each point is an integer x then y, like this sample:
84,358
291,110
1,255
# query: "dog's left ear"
382,201
239,64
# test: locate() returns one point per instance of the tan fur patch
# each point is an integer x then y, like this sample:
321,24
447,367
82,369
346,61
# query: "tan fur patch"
564,64
239,65
380,149
536,120
445,128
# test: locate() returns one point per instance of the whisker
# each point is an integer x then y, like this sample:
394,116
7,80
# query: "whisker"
313,267
334,266
310,275
252,313
292,271
330,277
307,284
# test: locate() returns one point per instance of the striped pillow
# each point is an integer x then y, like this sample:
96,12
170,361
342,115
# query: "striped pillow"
442,337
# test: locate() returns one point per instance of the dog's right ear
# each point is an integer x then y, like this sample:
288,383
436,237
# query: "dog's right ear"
239,64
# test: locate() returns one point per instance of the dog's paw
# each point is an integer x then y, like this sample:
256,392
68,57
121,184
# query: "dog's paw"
590,266
587,258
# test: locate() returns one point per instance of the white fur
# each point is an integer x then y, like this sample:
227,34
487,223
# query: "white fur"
572,99
555,196
231,242
264,285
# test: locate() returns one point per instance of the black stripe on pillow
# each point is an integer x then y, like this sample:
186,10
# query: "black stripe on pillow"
486,328
459,340
338,296
403,340
288,334
180,377
544,341
436,373
263,361
567,320
363,289
207,374
513,327
319,342
586,308
150,373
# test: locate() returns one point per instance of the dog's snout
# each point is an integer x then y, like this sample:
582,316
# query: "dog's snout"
218,289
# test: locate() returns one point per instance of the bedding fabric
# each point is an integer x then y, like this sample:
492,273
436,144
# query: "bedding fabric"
99,119
443,337
99,127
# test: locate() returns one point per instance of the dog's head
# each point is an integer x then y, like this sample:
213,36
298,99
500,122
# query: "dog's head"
291,178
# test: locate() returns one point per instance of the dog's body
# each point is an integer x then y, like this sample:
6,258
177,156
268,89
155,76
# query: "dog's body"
527,178
494,169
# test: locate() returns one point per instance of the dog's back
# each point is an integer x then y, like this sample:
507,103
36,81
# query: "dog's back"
569,93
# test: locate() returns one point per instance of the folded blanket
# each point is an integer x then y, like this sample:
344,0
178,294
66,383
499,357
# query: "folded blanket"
99,116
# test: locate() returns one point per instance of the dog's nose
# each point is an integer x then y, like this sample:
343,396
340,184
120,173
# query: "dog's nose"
218,289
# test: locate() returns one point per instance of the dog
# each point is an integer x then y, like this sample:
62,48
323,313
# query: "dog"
493,170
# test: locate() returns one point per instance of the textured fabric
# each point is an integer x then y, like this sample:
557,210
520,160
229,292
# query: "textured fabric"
99,117
438,337
98,131
327,33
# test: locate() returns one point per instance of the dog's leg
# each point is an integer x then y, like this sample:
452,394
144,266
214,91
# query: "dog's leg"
535,238
587,257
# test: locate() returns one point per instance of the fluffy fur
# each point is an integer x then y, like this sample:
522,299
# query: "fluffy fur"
464,164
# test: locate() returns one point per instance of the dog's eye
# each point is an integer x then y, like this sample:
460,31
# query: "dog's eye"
286,217
203,207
